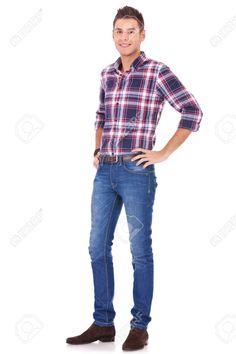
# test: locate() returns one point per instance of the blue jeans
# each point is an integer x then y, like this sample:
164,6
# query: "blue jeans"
116,184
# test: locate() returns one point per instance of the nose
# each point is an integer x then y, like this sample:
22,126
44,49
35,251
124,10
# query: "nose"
125,36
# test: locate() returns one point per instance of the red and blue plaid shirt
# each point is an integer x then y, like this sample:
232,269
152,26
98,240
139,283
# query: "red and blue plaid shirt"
131,104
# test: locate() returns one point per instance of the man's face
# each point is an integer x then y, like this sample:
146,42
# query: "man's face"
127,36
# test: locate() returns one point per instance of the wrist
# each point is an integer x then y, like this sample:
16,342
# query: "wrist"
96,151
165,154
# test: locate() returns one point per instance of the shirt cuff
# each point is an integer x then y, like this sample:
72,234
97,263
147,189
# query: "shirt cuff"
189,124
98,124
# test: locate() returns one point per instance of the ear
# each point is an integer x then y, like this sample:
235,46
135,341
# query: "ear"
142,35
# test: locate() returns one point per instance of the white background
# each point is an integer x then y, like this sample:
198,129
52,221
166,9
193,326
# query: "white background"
49,82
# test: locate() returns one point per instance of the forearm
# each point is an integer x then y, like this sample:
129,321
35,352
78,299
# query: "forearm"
150,156
98,137
177,139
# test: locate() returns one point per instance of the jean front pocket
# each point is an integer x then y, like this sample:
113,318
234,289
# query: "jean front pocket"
131,167
99,166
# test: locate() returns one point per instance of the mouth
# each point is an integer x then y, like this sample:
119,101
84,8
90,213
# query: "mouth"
124,45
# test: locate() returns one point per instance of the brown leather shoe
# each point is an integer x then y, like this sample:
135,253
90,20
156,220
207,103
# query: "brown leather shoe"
94,333
136,339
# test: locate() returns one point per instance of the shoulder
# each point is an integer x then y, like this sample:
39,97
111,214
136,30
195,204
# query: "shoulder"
105,73
154,65
108,69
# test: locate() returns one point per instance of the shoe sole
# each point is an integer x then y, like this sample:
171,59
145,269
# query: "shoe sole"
103,339
132,349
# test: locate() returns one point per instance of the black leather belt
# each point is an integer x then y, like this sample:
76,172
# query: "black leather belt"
116,158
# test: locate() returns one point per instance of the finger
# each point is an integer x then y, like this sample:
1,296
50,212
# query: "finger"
95,164
147,164
96,160
139,149
141,161
138,157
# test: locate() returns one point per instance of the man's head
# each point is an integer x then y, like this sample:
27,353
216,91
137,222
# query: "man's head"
128,30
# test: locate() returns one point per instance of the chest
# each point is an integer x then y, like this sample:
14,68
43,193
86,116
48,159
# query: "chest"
130,85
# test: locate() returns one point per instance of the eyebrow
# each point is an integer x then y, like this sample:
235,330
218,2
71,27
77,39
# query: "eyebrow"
128,29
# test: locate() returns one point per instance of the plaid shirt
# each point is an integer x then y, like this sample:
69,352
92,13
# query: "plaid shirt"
131,104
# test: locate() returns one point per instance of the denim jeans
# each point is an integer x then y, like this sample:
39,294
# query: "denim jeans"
116,184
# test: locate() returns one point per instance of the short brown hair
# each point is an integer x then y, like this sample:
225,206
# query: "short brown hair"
129,12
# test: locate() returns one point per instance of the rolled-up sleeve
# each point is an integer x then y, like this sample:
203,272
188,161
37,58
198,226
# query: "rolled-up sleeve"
180,98
100,113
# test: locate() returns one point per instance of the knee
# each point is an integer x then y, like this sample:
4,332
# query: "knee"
98,253
94,252
144,259
142,255
99,248
95,247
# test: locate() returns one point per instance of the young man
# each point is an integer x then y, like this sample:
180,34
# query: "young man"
132,95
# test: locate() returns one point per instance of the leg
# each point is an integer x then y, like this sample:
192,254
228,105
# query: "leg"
138,194
106,206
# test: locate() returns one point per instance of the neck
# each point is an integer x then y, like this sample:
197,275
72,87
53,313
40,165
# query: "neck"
127,60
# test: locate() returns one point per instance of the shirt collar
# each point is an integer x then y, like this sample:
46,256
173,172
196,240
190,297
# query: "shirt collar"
136,63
